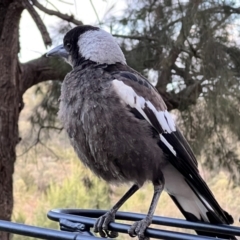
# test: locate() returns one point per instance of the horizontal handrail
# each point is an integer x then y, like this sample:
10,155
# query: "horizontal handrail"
86,216
76,224
41,233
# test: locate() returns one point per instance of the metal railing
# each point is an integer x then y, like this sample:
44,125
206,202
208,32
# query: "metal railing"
75,224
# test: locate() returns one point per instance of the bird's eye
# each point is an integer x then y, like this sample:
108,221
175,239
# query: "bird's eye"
68,46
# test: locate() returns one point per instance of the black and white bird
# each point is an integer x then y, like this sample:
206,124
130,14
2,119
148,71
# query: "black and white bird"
120,128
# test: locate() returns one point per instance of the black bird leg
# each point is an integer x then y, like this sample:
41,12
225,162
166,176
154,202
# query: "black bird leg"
139,227
101,225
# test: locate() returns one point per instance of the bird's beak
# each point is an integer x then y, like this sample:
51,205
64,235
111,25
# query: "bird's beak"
58,51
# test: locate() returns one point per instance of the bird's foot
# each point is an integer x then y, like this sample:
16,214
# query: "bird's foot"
101,225
139,227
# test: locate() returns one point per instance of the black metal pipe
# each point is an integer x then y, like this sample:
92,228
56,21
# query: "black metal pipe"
58,214
42,233
171,222
73,220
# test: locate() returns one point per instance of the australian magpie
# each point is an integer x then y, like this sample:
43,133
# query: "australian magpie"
120,128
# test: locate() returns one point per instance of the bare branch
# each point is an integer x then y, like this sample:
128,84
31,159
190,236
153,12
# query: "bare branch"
95,11
39,141
42,69
66,17
48,2
136,37
49,149
231,9
184,98
41,26
179,71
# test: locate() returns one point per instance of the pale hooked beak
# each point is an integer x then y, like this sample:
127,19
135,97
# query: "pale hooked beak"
58,51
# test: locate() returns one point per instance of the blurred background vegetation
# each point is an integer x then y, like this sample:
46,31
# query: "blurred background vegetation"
190,50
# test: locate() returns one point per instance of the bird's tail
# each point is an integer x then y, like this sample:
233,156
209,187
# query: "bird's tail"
192,207
198,208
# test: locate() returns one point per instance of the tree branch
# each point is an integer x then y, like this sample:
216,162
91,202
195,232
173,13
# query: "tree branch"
48,2
41,26
136,37
179,71
42,69
231,9
95,11
66,17
38,140
188,96
168,62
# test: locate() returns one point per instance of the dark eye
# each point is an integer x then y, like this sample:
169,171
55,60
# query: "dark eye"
68,46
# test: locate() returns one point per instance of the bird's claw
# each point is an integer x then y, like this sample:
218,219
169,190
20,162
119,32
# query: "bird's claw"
101,225
138,229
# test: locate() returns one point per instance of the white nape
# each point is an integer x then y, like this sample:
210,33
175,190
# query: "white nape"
101,47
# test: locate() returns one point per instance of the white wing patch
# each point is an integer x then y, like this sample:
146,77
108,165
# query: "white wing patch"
170,147
130,97
164,119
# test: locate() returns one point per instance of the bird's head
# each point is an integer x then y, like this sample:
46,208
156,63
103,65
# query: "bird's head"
89,43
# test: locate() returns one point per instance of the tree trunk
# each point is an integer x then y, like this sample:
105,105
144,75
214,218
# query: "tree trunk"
10,97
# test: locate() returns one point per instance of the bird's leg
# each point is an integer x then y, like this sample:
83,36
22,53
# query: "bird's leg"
101,225
139,227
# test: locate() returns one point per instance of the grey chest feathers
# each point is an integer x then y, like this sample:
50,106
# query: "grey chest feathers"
104,132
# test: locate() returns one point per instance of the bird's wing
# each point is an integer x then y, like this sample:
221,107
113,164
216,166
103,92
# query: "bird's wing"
136,92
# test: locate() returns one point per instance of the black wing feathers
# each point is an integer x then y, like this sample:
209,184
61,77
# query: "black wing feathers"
153,119
184,161
186,165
